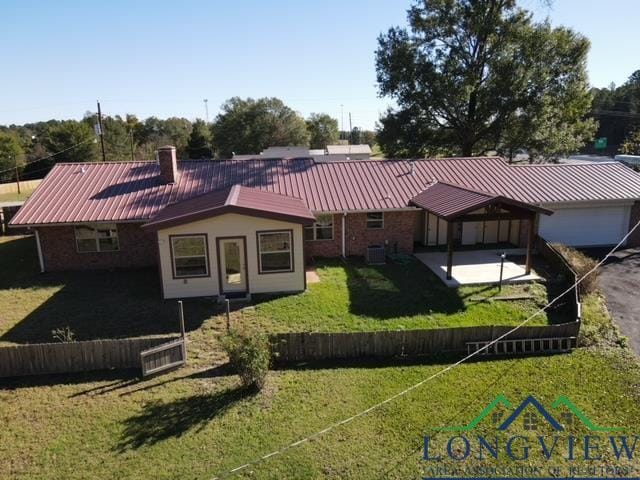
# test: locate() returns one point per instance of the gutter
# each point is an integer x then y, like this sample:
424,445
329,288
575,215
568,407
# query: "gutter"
344,235
39,246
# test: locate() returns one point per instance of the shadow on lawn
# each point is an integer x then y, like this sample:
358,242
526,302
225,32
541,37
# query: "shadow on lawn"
163,420
93,304
398,290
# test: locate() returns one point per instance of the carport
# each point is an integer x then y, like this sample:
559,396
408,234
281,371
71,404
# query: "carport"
456,205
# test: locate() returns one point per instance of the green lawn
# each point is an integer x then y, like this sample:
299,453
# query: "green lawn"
353,296
93,304
350,297
15,197
196,422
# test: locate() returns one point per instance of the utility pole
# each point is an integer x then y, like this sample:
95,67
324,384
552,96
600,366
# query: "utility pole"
17,175
131,142
350,127
101,133
206,109
341,119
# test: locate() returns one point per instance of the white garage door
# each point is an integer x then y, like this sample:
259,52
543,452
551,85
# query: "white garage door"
583,227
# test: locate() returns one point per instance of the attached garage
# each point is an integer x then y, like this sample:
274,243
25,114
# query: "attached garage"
585,226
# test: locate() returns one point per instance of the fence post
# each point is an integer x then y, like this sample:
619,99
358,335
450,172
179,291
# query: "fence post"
228,310
182,330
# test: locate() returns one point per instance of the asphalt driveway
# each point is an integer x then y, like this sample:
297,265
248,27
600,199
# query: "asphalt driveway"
620,283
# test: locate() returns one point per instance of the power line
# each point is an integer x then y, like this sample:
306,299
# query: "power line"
411,388
53,154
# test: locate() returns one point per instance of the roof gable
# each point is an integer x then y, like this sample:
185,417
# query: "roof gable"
235,199
451,201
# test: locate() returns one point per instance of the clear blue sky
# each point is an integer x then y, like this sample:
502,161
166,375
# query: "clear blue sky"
162,58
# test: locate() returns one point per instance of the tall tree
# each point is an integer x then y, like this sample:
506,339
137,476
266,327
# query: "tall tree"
631,145
199,144
249,126
617,110
466,70
11,155
73,141
178,131
323,130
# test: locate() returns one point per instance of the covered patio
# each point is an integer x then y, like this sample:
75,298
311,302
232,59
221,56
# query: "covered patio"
477,267
456,207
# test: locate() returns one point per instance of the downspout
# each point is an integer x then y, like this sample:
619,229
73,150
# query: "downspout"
40,257
344,235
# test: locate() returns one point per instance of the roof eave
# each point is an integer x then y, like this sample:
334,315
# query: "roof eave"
215,212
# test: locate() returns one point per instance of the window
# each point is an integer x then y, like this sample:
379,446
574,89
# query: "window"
189,253
321,230
97,238
274,252
375,220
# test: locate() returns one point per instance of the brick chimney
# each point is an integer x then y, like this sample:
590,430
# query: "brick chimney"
168,164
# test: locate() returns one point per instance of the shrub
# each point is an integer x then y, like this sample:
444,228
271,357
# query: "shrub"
598,328
63,334
250,355
581,264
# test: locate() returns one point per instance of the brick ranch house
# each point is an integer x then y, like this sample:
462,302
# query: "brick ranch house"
249,226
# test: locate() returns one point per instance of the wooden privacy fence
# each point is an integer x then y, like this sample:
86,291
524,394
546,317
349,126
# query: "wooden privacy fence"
25,186
45,358
293,347
560,264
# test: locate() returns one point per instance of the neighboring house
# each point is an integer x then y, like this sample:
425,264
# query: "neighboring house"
333,153
348,152
230,227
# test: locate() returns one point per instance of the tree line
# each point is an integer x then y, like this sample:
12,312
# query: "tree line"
617,110
243,126
467,77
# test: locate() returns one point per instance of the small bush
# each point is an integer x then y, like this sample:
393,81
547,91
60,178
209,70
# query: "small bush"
598,328
63,334
250,355
581,264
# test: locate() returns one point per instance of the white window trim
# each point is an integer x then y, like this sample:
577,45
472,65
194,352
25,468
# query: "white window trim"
173,255
261,271
381,220
95,228
314,228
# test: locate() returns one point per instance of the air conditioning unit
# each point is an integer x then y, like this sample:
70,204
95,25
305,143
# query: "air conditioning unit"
376,255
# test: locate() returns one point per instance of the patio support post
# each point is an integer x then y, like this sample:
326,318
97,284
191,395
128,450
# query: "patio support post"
530,239
449,249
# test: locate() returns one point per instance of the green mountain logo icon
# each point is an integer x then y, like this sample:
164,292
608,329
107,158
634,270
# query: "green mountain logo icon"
530,401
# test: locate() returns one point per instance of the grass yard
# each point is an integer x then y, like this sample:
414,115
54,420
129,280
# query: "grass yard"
93,304
197,422
15,197
350,297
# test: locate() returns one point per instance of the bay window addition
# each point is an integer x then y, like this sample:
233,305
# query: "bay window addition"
97,238
275,252
375,220
190,257
322,229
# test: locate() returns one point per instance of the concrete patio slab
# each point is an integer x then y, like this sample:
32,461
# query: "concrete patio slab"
477,267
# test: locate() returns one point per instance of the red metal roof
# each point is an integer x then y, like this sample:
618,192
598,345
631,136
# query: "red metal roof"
235,199
132,191
450,201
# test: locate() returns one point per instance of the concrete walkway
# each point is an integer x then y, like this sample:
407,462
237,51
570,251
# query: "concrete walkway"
477,267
